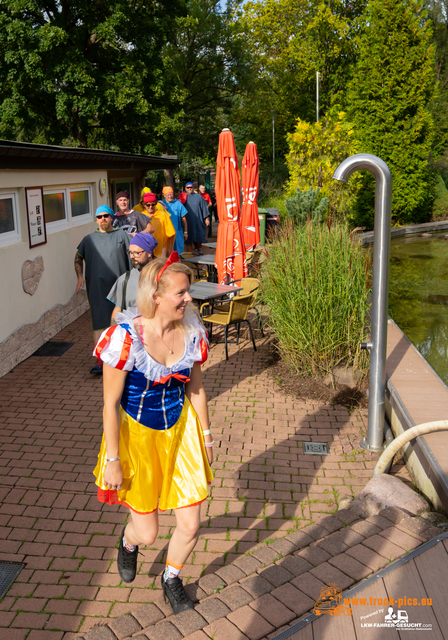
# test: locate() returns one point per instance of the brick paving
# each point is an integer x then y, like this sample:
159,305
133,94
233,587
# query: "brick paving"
267,530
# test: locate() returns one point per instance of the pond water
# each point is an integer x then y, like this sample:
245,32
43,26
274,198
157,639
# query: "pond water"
418,295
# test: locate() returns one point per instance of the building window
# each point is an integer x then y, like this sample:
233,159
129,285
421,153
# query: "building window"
67,207
54,204
9,219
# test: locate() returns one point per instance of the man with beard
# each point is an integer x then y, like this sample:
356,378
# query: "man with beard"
129,220
105,253
124,292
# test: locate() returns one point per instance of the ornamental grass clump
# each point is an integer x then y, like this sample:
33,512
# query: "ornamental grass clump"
316,282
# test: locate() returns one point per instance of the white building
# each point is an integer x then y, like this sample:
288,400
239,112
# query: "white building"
37,287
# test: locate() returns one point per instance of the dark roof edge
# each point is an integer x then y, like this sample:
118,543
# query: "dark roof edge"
31,150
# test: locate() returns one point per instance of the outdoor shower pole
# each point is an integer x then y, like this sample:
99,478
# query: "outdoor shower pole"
380,287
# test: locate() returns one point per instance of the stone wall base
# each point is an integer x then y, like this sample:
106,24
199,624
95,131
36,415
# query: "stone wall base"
28,338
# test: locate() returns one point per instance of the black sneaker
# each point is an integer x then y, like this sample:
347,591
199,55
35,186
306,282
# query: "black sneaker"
174,590
126,561
97,369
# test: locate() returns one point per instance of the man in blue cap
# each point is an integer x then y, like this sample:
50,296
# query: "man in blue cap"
124,292
198,218
105,253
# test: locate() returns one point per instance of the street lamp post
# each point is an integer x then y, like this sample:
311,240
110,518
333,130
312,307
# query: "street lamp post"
273,113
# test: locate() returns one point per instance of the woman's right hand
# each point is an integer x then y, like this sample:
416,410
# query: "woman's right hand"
209,452
113,475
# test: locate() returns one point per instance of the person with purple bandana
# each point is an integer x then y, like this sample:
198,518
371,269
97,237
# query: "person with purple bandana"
124,292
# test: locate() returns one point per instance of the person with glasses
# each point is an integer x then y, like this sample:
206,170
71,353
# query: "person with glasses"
124,292
105,253
164,231
198,219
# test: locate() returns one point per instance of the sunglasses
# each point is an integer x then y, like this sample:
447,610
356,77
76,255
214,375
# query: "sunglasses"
106,215
188,187
150,204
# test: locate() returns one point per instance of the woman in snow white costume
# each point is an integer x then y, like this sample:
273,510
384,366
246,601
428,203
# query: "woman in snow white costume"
156,450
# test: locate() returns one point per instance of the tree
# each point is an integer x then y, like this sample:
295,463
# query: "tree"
389,98
84,72
315,151
438,13
290,40
205,62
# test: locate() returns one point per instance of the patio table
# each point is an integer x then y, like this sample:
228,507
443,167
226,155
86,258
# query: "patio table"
204,291
207,259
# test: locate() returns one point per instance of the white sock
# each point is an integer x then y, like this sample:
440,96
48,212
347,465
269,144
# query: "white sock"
127,546
171,572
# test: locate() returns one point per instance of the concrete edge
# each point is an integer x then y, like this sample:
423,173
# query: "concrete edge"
409,230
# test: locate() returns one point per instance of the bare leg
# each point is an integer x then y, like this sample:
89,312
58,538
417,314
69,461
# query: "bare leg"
96,335
142,528
185,535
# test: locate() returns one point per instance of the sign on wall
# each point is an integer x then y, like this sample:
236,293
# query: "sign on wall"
35,215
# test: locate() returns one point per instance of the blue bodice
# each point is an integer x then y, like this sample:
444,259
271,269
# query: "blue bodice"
157,406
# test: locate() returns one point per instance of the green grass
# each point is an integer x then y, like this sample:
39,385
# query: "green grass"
316,284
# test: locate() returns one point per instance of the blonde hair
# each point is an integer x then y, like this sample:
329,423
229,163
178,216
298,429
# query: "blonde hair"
148,286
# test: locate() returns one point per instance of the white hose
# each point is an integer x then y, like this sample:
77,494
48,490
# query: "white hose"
409,434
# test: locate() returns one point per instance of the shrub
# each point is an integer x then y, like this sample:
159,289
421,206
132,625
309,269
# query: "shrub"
316,284
440,207
304,206
315,151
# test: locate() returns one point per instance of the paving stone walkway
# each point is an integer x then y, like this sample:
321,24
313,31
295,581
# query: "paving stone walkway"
262,594
265,489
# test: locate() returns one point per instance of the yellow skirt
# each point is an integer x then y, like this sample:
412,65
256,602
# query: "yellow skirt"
168,468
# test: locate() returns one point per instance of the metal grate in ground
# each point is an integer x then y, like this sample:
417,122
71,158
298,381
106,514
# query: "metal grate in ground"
316,448
8,573
53,349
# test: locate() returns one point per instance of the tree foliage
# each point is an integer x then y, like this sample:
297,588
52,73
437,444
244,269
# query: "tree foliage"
315,150
438,13
205,62
290,40
389,97
86,72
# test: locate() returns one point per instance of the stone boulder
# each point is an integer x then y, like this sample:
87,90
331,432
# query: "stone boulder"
384,491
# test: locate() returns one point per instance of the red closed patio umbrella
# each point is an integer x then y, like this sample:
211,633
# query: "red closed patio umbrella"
250,225
230,258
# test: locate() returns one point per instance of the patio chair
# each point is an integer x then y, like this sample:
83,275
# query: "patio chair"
254,260
249,286
199,270
236,314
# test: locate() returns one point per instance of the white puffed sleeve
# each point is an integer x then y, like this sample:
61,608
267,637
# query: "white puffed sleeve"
114,348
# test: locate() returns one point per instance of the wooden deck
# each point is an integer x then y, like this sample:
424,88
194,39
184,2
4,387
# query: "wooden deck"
421,574
420,396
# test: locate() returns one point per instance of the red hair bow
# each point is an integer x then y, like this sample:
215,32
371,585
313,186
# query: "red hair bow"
174,257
